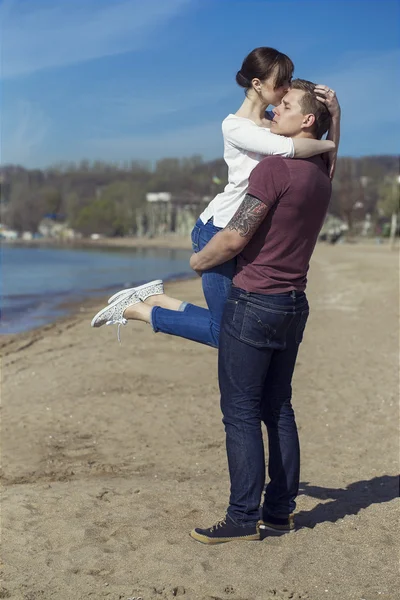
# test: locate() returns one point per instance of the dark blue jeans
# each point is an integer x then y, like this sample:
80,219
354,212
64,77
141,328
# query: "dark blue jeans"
260,338
194,322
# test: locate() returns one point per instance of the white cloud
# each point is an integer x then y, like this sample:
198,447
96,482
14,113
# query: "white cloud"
204,139
39,35
136,107
367,87
23,138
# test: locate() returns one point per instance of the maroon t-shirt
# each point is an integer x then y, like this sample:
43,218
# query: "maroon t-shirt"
297,192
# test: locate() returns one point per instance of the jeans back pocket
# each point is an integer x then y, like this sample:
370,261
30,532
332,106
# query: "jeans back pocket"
265,328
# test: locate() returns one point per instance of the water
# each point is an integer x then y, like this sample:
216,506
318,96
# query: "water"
37,283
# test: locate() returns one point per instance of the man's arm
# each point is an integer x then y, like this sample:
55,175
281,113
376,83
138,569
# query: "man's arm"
328,97
230,241
334,135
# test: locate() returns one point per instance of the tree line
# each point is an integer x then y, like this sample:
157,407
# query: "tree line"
104,197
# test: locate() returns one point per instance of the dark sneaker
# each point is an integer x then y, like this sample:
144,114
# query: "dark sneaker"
226,531
276,526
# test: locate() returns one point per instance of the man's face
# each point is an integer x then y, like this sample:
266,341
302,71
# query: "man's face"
288,119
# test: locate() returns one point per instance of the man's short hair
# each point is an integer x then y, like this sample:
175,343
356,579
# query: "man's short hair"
310,105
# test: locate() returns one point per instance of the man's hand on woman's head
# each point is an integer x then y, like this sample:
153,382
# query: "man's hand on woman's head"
328,97
330,159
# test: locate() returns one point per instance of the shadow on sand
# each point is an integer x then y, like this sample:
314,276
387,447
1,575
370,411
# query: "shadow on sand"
346,501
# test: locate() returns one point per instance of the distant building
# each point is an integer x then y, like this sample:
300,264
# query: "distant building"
49,228
7,234
166,213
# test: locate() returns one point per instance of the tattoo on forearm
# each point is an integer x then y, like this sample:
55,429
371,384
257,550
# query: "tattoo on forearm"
248,216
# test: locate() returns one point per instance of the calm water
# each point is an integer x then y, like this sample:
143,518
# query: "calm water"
37,282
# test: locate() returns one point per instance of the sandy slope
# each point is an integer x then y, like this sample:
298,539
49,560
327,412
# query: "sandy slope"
111,454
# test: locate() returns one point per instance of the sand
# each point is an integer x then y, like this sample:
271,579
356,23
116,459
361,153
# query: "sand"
113,453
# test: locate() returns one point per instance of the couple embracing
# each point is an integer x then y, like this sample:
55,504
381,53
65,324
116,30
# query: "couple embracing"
252,247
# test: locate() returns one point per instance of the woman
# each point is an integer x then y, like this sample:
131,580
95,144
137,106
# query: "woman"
265,75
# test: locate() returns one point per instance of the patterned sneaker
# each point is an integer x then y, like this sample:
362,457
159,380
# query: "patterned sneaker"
142,291
276,526
113,314
226,531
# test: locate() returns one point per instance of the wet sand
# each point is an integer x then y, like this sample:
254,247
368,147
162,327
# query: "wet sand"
113,453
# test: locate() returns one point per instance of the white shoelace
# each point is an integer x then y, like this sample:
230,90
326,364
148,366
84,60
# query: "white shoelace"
118,322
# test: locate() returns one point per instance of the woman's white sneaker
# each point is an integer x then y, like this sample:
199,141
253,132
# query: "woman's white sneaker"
152,288
113,314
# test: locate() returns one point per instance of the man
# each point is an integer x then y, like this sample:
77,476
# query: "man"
274,233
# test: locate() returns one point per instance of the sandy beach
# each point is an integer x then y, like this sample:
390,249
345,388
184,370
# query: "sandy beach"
112,453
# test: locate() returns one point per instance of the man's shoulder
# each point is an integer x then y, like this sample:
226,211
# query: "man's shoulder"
287,174
304,167
306,163
271,176
273,166
274,159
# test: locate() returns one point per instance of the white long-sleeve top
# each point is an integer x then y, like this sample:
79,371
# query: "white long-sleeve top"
245,144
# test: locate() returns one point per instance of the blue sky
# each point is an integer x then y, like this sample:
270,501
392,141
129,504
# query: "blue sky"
120,80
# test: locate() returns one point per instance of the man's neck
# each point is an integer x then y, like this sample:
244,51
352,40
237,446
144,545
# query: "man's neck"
303,134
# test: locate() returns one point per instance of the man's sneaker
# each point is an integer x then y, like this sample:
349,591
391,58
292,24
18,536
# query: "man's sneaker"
113,314
226,531
276,526
152,288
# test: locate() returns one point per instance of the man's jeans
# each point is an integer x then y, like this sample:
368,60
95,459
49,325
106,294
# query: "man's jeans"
194,322
260,337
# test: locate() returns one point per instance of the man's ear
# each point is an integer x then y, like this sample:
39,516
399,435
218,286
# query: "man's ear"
308,121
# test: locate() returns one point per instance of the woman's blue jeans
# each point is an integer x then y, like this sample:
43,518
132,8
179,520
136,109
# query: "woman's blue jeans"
194,322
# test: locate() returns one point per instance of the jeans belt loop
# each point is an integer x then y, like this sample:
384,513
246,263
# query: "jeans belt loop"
294,294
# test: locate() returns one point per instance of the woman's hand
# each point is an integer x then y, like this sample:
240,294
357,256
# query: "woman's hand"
328,97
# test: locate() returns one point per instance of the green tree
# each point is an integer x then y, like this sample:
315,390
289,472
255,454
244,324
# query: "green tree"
26,207
388,203
349,190
51,199
126,197
98,216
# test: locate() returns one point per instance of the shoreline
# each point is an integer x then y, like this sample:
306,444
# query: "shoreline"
73,310
167,242
93,297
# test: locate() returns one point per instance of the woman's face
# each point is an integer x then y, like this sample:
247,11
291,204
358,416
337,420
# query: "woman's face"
270,94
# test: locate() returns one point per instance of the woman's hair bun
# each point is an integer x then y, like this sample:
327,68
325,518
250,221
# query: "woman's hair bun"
264,63
242,80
